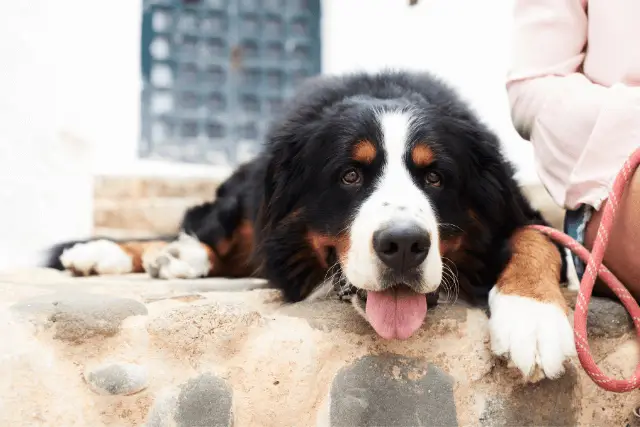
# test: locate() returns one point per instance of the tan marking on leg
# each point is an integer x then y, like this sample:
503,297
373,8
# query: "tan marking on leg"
224,246
233,259
534,269
422,156
136,251
213,259
364,152
77,273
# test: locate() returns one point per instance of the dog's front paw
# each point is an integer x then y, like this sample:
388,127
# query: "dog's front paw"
99,257
536,336
185,258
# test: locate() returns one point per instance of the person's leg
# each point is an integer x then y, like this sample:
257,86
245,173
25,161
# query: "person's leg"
622,256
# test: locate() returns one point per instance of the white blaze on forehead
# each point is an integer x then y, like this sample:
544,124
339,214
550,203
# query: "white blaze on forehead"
395,197
396,186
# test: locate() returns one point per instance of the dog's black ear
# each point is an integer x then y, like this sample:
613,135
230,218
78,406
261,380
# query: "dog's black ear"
285,175
283,251
491,186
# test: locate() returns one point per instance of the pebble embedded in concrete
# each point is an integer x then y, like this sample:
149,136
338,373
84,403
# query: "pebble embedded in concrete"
607,318
205,400
117,379
391,390
79,316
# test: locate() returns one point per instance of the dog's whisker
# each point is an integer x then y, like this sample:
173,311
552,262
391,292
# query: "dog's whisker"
451,284
449,225
455,288
450,287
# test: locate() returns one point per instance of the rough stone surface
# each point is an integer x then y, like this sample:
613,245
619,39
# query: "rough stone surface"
193,329
162,414
391,390
231,349
80,316
205,400
330,317
548,402
117,378
607,318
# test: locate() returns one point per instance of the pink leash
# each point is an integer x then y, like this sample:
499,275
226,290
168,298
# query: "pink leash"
595,269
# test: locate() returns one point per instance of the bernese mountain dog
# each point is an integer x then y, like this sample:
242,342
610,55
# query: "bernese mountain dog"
383,188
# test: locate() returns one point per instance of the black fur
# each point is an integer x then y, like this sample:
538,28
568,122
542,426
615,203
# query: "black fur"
293,187
307,146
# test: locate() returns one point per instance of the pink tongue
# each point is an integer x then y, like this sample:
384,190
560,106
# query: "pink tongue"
396,313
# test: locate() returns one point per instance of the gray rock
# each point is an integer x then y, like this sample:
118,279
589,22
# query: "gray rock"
162,412
78,316
607,318
548,402
117,379
391,390
204,401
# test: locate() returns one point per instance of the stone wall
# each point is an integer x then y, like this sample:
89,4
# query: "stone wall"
129,351
131,206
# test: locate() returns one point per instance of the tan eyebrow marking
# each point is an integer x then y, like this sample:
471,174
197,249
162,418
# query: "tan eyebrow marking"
422,155
364,151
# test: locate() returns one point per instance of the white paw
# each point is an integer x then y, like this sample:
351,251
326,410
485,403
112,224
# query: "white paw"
96,257
184,258
537,337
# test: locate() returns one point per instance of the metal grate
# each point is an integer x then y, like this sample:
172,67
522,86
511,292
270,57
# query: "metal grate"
214,71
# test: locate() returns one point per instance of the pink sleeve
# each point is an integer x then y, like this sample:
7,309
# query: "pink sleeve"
582,132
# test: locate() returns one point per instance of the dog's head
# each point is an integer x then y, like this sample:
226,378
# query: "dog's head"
383,175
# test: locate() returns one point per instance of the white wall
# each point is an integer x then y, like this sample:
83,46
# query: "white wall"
100,75
70,85
99,52
466,42
45,188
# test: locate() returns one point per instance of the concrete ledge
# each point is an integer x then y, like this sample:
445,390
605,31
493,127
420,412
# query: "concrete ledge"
129,351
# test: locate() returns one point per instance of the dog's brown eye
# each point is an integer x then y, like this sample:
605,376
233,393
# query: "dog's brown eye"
351,177
434,179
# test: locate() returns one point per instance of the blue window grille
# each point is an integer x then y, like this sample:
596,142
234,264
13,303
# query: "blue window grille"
215,71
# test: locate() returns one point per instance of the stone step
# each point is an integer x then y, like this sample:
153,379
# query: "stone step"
135,206
132,187
159,215
129,350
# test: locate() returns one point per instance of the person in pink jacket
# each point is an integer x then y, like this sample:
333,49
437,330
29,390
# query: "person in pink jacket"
574,92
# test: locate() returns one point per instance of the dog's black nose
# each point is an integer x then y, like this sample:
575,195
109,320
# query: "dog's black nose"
402,246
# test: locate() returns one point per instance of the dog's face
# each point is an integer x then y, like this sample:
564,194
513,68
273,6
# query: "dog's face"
382,187
382,176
